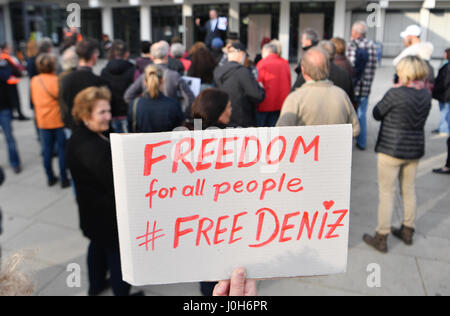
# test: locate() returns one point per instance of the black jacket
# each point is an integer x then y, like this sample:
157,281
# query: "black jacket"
244,91
338,76
119,74
441,91
403,113
210,34
6,71
155,115
90,163
71,85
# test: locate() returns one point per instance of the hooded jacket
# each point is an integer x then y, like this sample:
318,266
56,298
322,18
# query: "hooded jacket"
120,75
244,91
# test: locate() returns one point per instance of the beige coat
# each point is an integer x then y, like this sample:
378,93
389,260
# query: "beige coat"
318,103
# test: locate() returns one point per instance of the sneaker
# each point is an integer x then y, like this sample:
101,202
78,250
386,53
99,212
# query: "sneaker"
444,170
52,182
65,184
17,169
360,147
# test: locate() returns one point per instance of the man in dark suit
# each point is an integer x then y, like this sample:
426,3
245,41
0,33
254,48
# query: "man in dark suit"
82,78
211,28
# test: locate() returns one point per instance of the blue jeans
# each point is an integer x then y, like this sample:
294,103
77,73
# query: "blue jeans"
50,138
444,126
119,126
267,119
5,123
363,103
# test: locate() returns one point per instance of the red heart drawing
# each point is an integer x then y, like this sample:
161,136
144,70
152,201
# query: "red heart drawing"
328,204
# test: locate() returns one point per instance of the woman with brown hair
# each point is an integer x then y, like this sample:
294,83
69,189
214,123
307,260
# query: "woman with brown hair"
90,162
403,112
154,112
44,94
202,67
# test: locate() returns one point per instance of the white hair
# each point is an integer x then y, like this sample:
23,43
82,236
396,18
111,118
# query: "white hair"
69,59
360,27
177,50
160,50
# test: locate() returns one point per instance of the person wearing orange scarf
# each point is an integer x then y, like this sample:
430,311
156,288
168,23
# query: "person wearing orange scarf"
13,81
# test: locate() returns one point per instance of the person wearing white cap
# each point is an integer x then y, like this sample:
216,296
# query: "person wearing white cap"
414,46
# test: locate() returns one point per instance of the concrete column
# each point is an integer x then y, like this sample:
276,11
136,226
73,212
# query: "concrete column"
233,23
283,37
188,25
146,23
348,25
107,22
379,35
8,26
339,18
424,23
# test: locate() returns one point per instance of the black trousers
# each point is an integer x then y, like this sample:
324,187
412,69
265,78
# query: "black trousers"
100,261
207,288
448,154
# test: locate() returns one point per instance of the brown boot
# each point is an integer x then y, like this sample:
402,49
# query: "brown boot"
404,233
379,242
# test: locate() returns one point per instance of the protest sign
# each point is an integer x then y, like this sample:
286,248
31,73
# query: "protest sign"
193,83
194,205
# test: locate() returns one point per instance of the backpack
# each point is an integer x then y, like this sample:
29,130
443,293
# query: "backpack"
361,60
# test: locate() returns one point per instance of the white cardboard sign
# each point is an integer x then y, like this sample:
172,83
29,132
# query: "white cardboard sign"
194,205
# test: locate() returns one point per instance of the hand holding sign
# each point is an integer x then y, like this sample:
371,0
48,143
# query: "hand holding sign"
238,285
275,200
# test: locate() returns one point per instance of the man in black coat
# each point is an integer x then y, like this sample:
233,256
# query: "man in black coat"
241,85
119,74
441,92
211,28
72,84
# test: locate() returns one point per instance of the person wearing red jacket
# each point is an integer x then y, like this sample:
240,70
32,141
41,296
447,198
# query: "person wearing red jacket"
274,74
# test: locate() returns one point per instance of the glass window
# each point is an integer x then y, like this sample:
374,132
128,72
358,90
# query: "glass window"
127,27
167,23
249,9
298,8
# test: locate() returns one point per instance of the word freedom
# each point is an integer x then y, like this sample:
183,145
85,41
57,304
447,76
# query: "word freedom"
185,147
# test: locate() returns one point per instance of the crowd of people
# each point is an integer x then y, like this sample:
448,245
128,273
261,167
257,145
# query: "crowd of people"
75,110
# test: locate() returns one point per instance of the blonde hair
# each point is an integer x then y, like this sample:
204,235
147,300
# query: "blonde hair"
411,68
12,281
85,101
153,80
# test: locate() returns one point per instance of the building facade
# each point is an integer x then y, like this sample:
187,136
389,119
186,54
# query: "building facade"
153,20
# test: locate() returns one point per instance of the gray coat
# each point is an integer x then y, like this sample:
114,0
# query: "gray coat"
174,87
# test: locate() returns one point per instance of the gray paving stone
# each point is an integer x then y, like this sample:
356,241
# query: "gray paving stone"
436,277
